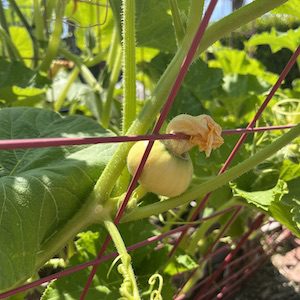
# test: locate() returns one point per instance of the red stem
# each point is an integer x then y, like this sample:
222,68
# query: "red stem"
210,249
59,141
88,264
254,226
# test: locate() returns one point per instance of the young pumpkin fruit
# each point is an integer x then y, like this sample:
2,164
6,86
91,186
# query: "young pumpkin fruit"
164,173
168,170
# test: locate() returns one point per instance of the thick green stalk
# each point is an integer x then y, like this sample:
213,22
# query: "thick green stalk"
148,114
55,37
63,94
177,22
129,73
127,270
215,183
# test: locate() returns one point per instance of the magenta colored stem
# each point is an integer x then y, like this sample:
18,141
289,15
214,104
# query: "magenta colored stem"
165,110
254,226
58,141
257,129
210,249
239,276
241,140
55,142
89,263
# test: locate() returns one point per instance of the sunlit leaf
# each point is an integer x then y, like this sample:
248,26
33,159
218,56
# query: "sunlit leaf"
39,187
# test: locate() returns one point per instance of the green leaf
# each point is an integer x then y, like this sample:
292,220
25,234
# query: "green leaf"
41,189
22,41
145,261
233,61
200,84
181,263
263,199
90,16
241,93
16,74
17,96
291,7
278,202
158,34
276,40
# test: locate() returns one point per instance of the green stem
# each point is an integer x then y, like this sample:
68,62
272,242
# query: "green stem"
38,21
70,56
177,22
125,257
90,213
88,77
129,72
113,49
94,84
63,94
114,75
55,38
3,21
34,42
200,232
215,183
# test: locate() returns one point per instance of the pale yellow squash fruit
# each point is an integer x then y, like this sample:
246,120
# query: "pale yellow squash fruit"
164,173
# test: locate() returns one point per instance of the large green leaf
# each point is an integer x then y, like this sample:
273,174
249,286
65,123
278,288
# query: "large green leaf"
41,189
200,84
273,202
146,261
154,27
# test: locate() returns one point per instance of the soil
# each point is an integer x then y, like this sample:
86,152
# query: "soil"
278,279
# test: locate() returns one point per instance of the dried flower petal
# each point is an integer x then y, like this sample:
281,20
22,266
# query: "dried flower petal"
203,131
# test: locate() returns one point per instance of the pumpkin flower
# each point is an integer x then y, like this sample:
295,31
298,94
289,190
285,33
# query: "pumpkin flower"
204,132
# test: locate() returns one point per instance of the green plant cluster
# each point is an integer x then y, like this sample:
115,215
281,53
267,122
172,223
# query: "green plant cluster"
57,204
